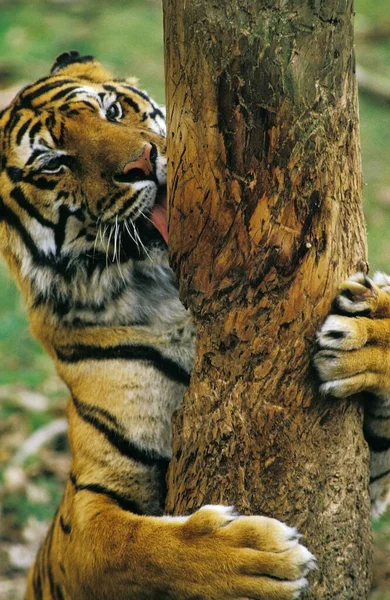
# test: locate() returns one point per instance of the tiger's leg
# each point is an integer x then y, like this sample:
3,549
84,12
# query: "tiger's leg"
354,357
103,546
104,552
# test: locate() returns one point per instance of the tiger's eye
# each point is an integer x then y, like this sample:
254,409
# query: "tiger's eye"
114,112
54,165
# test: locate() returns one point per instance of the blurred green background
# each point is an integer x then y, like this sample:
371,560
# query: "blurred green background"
127,36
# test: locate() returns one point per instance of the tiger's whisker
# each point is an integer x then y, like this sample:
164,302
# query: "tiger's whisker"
118,261
140,241
109,243
131,235
114,256
145,216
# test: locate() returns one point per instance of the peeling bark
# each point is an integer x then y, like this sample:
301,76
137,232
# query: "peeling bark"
265,220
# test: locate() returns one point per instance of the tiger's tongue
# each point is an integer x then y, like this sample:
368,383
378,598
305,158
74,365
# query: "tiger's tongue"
158,217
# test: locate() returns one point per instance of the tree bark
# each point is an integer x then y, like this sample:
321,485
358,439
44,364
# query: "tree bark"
265,220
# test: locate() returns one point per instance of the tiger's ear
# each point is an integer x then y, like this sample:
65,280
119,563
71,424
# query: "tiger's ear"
69,58
73,64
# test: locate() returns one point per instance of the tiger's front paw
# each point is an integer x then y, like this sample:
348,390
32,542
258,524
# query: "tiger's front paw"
362,296
246,557
354,342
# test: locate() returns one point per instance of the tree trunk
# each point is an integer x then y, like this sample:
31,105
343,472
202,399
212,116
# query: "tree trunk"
265,220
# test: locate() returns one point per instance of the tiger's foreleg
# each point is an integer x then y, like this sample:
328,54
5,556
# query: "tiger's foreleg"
105,552
354,357
109,540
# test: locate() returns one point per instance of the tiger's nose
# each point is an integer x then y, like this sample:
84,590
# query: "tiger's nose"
143,162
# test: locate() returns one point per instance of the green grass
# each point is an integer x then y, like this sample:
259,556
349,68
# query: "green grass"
384,521
17,508
23,361
374,55
374,125
372,11
124,35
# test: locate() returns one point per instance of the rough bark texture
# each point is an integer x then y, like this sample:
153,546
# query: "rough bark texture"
265,220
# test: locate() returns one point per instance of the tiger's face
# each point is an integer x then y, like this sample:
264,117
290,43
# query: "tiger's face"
83,167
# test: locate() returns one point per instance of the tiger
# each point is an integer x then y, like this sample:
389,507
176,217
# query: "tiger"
353,356
83,230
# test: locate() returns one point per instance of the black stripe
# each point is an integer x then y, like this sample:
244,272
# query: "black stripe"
64,91
59,593
48,545
37,582
60,229
19,197
377,477
377,443
138,92
131,103
39,575
34,130
122,501
167,366
9,217
113,199
41,183
61,134
50,122
65,265
126,205
86,104
96,410
15,174
109,88
22,131
156,111
125,446
376,416
13,118
34,154
49,538
29,95
53,587
66,527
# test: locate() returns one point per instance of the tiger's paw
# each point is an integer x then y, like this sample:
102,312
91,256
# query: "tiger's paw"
353,342
356,295
361,296
246,557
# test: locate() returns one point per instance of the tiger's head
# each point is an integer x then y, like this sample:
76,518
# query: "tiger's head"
83,171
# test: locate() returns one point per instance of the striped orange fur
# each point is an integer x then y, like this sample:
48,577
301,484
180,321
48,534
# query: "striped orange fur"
354,357
82,228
